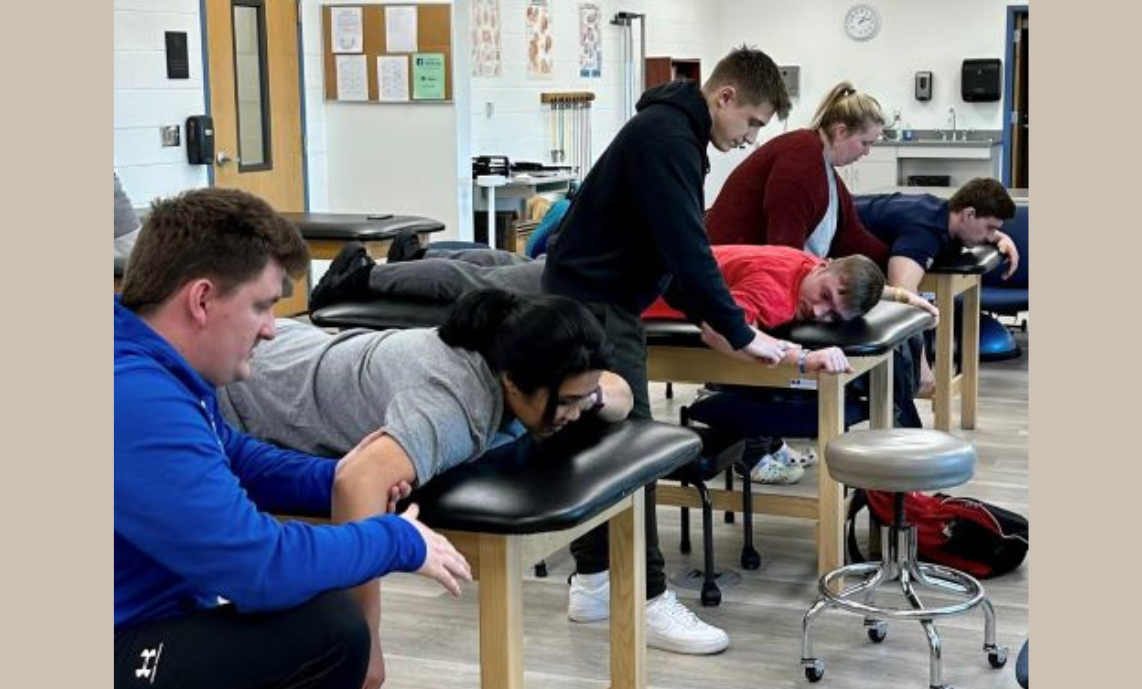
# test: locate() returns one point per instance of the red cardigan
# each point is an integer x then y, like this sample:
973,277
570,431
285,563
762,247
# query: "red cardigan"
779,194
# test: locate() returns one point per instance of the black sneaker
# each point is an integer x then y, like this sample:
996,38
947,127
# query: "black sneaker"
347,278
406,246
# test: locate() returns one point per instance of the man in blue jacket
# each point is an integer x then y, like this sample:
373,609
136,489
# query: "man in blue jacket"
635,226
193,496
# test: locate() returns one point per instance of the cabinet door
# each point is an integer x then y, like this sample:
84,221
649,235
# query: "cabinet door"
874,176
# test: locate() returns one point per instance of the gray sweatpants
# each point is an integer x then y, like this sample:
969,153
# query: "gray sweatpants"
437,278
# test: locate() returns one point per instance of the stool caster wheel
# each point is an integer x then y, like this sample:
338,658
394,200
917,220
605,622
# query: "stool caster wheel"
997,657
751,560
729,517
684,547
541,569
711,595
814,669
877,630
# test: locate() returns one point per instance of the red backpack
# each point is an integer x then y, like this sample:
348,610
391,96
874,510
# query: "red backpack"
969,535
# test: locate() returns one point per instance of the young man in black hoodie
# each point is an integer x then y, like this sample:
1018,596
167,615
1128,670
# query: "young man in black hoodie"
635,225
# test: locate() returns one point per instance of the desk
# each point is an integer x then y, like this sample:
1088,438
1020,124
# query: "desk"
520,503
1017,195
694,365
327,233
687,363
948,278
519,188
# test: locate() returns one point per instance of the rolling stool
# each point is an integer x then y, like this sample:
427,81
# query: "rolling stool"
899,461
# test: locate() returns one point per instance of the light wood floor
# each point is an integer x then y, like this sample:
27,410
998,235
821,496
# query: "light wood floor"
431,639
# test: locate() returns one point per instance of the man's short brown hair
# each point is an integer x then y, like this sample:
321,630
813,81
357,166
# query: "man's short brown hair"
756,78
987,196
226,235
862,283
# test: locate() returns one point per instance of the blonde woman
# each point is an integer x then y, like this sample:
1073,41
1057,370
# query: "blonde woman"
787,192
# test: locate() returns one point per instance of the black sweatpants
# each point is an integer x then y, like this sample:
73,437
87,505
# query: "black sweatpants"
321,644
628,343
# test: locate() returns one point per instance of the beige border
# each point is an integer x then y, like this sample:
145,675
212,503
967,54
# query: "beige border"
1086,267
58,448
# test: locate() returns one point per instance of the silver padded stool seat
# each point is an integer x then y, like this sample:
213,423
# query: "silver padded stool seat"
899,461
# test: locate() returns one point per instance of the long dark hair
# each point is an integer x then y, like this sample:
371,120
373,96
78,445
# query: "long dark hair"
537,340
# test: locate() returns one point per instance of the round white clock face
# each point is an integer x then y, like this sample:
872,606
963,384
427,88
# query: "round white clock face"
862,22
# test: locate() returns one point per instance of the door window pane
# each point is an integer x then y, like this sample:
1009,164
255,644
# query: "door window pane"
251,85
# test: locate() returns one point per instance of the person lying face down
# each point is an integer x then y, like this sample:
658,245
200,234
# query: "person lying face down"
775,285
438,396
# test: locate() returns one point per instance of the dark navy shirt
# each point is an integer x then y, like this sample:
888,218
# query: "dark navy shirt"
912,225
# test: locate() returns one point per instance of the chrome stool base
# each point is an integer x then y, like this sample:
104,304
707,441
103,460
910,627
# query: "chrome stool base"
900,566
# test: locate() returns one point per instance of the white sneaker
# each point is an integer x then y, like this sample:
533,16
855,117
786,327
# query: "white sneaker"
773,472
794,457
590,597
671,626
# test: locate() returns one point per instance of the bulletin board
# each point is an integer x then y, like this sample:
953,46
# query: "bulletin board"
433,41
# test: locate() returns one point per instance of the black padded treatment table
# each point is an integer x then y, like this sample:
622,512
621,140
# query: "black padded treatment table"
677,354
520,503
959,271
326,233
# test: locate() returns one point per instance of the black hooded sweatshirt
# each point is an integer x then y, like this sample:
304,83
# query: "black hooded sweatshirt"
637,219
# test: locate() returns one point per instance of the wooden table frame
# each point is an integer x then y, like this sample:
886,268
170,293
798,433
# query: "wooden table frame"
947,286
499,562
701,365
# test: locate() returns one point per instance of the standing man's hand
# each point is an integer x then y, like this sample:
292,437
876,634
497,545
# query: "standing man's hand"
763,347
1006,246
769,350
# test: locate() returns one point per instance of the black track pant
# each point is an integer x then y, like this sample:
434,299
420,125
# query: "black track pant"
321,644
628,343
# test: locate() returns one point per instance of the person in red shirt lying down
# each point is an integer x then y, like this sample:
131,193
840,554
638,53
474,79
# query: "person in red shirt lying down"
778,284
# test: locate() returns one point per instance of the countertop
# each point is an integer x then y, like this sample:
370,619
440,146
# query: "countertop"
1017,195
933,137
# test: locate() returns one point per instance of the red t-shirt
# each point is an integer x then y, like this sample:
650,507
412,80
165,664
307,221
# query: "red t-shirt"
779,194
764,280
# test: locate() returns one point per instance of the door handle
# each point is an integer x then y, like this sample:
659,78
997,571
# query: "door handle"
223,158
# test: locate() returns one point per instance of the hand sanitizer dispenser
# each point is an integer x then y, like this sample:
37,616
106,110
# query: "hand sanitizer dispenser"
923,86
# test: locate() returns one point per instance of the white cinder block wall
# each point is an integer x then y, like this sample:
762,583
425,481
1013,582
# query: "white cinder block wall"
518,126
370,157
145,99
416,158
915,35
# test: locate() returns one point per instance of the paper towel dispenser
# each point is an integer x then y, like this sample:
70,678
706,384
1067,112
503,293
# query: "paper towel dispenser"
980,80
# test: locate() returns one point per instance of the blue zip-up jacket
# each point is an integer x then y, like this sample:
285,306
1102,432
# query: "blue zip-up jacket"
192,496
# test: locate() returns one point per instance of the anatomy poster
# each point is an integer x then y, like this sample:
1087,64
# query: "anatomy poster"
590,41
538,40
485,38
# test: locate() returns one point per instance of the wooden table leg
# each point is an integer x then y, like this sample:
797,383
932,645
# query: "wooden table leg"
628,596
969,356
945,352
830,497
501,613
881,415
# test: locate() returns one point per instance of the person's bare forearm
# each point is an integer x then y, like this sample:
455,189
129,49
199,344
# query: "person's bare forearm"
361,488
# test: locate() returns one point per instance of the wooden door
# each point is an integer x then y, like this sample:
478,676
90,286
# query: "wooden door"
255,100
